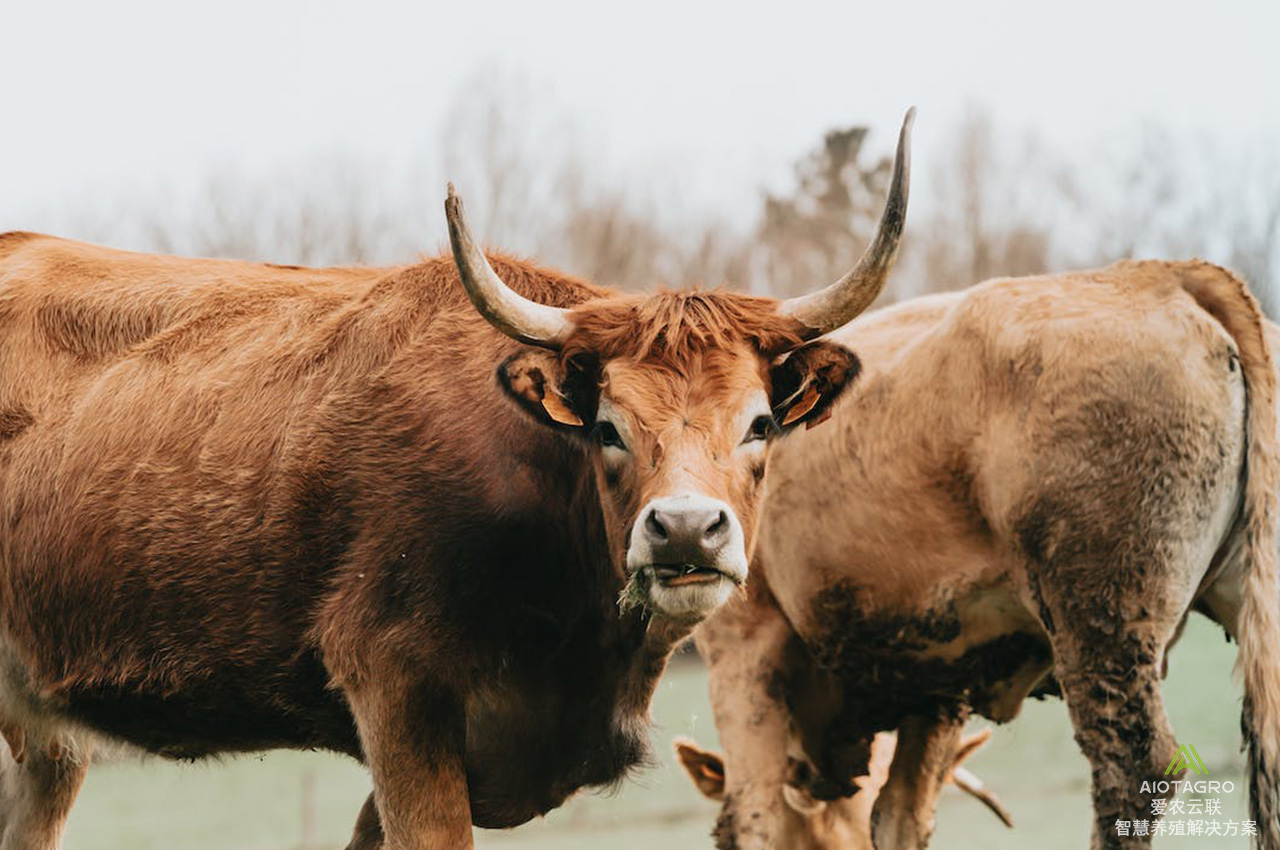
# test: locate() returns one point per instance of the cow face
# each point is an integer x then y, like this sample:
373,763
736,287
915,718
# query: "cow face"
680,394
680,458
679,415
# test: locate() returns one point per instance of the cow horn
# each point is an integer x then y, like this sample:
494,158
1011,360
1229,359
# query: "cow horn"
968,782
830,308
506,309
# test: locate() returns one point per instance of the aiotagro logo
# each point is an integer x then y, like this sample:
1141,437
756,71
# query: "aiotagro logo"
1211,820
1186,759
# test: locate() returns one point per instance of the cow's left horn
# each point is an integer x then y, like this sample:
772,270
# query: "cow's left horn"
506,309
840,302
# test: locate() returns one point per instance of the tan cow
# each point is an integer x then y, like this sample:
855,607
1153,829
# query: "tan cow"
1031,487
845,823
245,507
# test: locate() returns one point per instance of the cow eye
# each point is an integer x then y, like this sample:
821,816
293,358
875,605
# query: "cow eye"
607,435
762,428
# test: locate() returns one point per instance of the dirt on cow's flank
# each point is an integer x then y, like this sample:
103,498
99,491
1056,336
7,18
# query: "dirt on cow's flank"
262,803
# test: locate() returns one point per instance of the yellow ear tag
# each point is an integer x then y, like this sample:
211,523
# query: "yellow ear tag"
559,411
803,406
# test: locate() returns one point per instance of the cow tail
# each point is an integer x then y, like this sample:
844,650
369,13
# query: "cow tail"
1227,299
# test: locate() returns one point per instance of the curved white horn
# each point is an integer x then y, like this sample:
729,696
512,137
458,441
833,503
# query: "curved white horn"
839,303
968,782
506,309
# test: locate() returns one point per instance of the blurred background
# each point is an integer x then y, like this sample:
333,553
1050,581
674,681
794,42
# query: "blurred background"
740,145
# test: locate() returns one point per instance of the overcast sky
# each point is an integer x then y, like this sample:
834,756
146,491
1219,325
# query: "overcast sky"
104,99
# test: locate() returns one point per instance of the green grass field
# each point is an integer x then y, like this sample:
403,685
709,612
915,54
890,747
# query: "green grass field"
261,803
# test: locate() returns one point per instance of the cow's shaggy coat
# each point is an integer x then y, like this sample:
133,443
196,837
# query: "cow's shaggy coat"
1031,487
246,506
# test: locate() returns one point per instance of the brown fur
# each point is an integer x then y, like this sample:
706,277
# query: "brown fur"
250,506
670,328
1035,475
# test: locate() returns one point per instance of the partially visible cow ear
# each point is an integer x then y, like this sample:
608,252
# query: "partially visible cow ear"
535,378
704,767
808,380
802,802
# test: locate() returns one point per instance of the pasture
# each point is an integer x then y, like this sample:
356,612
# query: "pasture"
261,803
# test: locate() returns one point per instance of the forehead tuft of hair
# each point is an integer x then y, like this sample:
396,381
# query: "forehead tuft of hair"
672,328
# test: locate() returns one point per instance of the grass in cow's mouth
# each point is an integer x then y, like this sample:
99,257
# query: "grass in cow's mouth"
635,593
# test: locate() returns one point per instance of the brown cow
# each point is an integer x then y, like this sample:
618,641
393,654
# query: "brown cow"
812,824
249,506
1030,487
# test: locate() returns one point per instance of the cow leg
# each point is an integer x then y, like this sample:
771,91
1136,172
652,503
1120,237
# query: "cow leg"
1109,643
368,832
414,744
1122,728
36,794
903,816
1115,549
744,645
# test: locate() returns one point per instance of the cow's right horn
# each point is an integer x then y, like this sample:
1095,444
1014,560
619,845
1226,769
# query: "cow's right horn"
824,311
506,309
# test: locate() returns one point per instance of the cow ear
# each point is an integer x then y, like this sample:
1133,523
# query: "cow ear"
704,767
802,801
551,393
808,380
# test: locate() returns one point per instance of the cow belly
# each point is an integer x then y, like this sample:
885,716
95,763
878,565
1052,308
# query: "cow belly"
990,678
981,653
225,711
201,722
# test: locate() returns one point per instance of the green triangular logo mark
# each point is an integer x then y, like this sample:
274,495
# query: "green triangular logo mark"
1187,759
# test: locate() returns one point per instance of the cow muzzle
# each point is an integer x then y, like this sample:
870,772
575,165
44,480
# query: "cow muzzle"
687,554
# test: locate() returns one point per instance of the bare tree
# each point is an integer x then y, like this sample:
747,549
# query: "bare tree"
809,235
535,184
324,211
512,156
1239,222
1173,199
992,214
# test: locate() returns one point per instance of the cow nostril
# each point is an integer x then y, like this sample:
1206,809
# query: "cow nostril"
654,526
721,523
